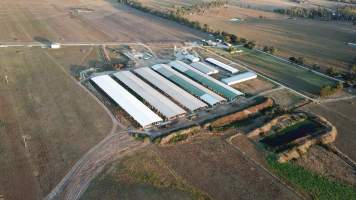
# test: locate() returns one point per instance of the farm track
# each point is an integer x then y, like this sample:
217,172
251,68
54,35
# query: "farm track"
77,180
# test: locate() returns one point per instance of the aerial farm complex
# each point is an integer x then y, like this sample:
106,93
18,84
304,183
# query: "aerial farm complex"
171,100
161,93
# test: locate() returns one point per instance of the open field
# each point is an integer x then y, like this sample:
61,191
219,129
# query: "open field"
342,115
322,43
297,78
47,123
326,163
209,166
142,175
53,21
270,5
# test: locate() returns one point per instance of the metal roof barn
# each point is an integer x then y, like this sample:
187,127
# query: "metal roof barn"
181,96
187,84
204,68
239,78
192,58
135,108
157,100
222,65
211,83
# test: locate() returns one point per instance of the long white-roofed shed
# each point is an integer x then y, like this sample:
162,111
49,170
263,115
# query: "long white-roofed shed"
178,94
245,76
222,65
157,100
135,108
209,82
204,68
188,84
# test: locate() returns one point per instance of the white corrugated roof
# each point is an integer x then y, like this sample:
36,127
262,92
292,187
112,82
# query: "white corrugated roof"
239,78
222,65
181,96
163,104
183,67
217,98
204,68
135,108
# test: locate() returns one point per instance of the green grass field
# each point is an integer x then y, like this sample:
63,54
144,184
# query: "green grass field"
317,186
288,74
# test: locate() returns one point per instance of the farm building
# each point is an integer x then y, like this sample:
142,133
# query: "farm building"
204,68
239,78
192,58
189,85
209,82
170,89
222,65
55,46
157,100
130,104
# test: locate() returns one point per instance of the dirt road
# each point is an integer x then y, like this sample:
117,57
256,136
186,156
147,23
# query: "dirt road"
74,184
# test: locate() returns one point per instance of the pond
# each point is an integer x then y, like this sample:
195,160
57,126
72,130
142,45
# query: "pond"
291,133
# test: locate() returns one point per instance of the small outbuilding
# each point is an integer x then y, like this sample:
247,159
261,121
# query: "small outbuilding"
55,45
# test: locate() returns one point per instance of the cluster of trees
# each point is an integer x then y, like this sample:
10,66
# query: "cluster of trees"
349,77
346,13
298,60
272,50
230,38
329,90
200,7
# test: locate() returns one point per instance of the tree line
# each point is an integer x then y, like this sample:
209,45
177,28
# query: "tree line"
345,13
181,19
200,7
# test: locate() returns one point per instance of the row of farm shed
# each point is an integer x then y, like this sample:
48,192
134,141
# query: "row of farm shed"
151,95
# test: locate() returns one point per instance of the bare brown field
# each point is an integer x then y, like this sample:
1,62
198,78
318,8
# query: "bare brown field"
142,175
205,166
47,123
214,166
322,43
28,21
342,115
255,86
286,99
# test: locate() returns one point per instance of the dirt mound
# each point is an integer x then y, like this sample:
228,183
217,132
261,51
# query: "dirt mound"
241,114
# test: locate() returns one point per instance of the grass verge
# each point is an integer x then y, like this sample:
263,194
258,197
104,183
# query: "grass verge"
317,186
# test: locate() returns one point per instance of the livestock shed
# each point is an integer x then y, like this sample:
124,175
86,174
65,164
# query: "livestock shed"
192,58
224,66
245,76
130,104
170,89
187,84
211,83
204,68
157,100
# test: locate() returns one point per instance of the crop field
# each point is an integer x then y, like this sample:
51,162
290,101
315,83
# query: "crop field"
45,123
36,20
342,115
319,42
288,74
